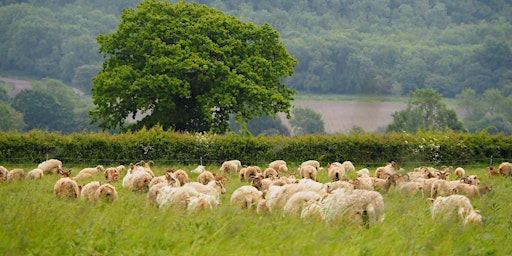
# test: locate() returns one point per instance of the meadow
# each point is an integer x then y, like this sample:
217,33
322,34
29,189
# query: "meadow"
34,222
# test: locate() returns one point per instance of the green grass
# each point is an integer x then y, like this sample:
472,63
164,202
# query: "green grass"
34,222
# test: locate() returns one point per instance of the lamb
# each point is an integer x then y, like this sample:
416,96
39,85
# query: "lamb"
231,166
15,174
3,174
335,171
308,172
452,208
66,187
505,169
270,173
297,202
50,166
35,174
106,193
92,170
111,174
460,173
390,168
88,190
246,197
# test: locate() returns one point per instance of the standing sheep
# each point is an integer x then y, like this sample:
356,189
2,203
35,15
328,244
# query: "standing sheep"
451,208
335,171
505,169
111,174
270,173
231,166
88,190
308,172
35,174
298,201
246,197
205,177
390,168
16,174
50,166
66,187
3,174
348,166
105,193
182,176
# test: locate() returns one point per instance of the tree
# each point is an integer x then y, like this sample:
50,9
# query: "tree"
306,121
10,119
425,111
188,67
262,125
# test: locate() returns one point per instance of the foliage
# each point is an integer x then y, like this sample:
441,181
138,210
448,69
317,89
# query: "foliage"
306,121
189,67
425,111
263,125
10,120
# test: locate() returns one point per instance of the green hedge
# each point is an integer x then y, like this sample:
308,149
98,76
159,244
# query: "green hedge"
193,148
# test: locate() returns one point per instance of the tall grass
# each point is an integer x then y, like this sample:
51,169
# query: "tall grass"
34,222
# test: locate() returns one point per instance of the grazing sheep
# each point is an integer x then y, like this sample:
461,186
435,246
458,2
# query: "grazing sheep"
390,168
137,178
147,167
443,187
106,193
313,163
277,164
411,188
175,197
111,174
308,172
277,196
493,173
88,190
50,166
469,190
363,183
249,172
261,207
153,193
15,174
65,187
92,170
3,174
231,166
450,208
214,188
471,179
505,169
205,177
246,197
335,171
35,174
202,202
383,185
473,218
182,177
348,166
83,176
460,173
331,186
270,173
298,201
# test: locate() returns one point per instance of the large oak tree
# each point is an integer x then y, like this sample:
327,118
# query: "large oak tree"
189,67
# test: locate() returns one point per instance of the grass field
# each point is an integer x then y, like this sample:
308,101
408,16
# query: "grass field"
34,222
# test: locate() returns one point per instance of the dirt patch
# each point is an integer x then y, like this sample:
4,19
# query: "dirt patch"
19,85
342,117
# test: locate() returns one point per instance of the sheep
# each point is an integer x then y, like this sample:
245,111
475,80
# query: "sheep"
249,172
270,173
308,172
460,173
348,166
3,174
214,188
182,176
363,173
15,174
205,177
473,218
201,202
106,193
505,169
169,180
471,179
261,207
92,170
411,188
338,184
363,183
472,191
451,208
147,167
277,164
88,190
83,176
443,175
383,185
246,197
121,168
199,169
111,174
66,187
335,171
50,166
297,202
137,178
492,172
277,196
231,166
35,174
175,197
443,188
390,168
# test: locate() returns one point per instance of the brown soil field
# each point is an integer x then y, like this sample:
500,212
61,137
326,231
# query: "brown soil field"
342,117
338,117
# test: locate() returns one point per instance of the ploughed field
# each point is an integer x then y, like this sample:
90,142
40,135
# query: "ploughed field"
35,222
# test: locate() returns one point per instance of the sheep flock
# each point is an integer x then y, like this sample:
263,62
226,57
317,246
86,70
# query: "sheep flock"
348,196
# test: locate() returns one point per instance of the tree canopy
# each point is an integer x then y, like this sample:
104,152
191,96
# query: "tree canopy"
425,111
188,67
306,121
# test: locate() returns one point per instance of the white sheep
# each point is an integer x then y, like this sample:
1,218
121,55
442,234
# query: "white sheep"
363,183
390,168
298,201
3,174
83,176
202,202
275,164
450,208
175,197
246,197
473,218
277,196
205,177
92,170
214,188
199,169
66,187
348,166
460,173
443,187
182,176
331,186
313,163
363,173
137,178
411,188
270,173
88,190
111,174
308,172
231,166
335,171
106,192
16,174
50,166
35,174
505,169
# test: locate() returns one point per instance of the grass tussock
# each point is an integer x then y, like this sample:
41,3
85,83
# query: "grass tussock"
34,222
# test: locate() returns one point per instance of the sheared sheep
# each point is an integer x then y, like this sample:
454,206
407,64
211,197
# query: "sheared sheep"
50,166
66,187
111,174
231,166
35,174
246,197
451,208
16,174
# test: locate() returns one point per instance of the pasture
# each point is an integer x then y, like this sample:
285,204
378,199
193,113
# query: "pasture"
34,222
